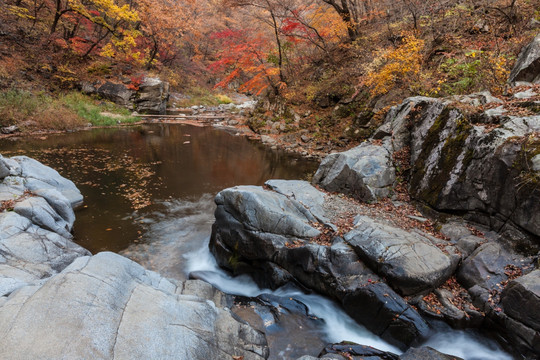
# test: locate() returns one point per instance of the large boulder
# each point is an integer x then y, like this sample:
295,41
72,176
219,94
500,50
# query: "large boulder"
409,261
117,93
527,67
152,96
459,166
111,308
521,299
365,172
272,235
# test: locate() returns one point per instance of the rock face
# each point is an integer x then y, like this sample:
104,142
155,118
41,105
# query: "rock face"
270,235
117,93
106,306
527,67
152,96
457,166
365,172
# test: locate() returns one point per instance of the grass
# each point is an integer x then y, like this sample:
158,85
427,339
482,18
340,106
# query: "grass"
32,111
97,113
198,95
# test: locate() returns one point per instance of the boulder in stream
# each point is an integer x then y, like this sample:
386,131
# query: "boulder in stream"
275,236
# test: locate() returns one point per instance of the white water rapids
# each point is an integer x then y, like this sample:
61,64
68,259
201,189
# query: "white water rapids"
176,244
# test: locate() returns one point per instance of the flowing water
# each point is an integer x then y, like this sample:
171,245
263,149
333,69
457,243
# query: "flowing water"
149,196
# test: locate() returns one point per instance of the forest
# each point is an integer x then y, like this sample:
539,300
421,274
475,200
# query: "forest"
340,64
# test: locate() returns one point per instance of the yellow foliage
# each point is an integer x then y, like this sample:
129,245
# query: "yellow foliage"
391,67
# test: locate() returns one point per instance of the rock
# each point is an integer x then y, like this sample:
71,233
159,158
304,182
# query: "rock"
117,93
305,138
361,351
37,210
110,307
385,313
410,262
455,230
88,88
457,166
468,244
4,168
9,129
426,353
152,96
477,99
527,94
38,177
485,268
37,252
267,234
521,299
535,161
527,67
365,172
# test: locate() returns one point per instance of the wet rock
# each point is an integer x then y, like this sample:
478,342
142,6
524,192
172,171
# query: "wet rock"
409,261
527,67
426,353
521,299
358,351
365,172
385,313
152,96
485,268
267,234
107,304
117,93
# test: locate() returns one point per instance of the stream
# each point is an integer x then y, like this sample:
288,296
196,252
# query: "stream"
149,193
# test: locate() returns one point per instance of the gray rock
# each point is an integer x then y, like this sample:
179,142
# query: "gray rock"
38,253
521,299
303,192
455,230
483,272
111,308
116,93
458,167
38,210
527,67
152,96
4,168
426,353
38,177
267,234
409,261
527,94
365,172
477,99
535,161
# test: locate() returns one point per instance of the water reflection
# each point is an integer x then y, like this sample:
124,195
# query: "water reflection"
128,173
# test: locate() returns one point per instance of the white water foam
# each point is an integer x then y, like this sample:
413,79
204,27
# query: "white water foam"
338,326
